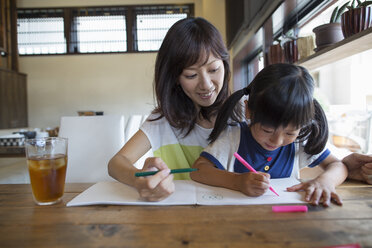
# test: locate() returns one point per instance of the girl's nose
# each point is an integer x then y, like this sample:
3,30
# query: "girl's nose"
276,139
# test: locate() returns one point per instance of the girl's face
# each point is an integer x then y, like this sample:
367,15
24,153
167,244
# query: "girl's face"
271,139
203,82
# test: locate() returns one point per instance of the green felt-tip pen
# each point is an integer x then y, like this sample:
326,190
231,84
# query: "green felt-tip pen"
150,173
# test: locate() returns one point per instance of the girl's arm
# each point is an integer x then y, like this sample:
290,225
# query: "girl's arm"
324,186
334,170
251,184
151,188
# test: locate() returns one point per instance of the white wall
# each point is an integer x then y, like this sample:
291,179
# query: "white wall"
114,83
335,85
62,85
347,81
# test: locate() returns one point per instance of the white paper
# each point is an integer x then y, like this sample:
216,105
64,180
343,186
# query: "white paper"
208,195
187,192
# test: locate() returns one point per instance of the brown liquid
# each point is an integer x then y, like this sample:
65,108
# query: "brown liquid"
47,175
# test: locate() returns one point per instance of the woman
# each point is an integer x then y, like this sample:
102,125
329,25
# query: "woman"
191,83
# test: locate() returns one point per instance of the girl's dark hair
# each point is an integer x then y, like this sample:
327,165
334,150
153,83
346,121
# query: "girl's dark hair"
280,94
186,42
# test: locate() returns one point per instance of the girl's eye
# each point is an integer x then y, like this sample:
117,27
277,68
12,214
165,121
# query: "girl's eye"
267,131
291,134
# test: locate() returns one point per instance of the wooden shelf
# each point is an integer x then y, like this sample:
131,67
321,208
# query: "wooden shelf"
355,44
12,151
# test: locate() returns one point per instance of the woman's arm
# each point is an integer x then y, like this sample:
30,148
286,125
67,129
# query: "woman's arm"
323,188
121,166
151,188
251,184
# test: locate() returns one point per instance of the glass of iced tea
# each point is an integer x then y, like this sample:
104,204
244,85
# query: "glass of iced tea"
47,163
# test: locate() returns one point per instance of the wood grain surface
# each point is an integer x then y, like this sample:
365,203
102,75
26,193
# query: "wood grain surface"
24,224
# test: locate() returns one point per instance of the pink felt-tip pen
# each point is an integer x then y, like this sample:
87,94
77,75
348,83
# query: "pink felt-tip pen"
250,168
289,209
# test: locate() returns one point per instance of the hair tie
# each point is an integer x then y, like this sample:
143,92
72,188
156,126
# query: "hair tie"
246,91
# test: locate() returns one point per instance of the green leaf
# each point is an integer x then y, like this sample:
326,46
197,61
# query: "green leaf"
366,3
333,16
341,11
359,3
353,4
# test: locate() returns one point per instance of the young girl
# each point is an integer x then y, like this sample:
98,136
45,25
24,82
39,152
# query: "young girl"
287,129
191,83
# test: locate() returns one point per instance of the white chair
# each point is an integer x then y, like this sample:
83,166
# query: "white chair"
92,141
133,125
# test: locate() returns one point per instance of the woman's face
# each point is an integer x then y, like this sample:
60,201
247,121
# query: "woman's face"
203,82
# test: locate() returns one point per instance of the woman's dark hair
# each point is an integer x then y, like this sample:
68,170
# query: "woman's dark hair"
280,94
187,42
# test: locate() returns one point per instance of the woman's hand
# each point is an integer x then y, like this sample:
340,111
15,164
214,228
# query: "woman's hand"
318,190
158,186
254,184
359,167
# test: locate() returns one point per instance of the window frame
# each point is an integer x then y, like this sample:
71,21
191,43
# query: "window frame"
293,15
130,12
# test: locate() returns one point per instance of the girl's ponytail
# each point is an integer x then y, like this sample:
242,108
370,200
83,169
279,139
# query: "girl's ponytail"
318,136
229,109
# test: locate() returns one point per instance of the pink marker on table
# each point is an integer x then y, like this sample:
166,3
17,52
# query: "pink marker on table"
250,168
286,209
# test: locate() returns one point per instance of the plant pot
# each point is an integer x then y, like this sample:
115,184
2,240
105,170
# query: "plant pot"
291,51
327,34
356,20
275,54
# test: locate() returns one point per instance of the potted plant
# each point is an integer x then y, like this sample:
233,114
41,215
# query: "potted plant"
357,18
284,49
330,33
275,54
290,50
289,43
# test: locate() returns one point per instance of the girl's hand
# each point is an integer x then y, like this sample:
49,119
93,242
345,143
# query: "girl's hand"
254,184
158,186
318,190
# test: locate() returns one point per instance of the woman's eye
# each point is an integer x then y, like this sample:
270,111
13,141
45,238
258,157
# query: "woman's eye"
215,70
190,76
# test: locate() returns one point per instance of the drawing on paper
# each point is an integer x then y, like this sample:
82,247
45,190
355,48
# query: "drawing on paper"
212,196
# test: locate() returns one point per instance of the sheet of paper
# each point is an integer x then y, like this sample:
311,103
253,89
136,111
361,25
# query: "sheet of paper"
207,195
186,193
115,193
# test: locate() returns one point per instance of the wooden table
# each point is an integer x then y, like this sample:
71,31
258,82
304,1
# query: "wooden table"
24,224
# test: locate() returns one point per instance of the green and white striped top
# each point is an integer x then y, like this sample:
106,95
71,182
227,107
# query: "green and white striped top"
172,147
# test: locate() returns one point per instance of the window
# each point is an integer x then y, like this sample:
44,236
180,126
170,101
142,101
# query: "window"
96,29
151,29
152,23
42,34
99,30
345,92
